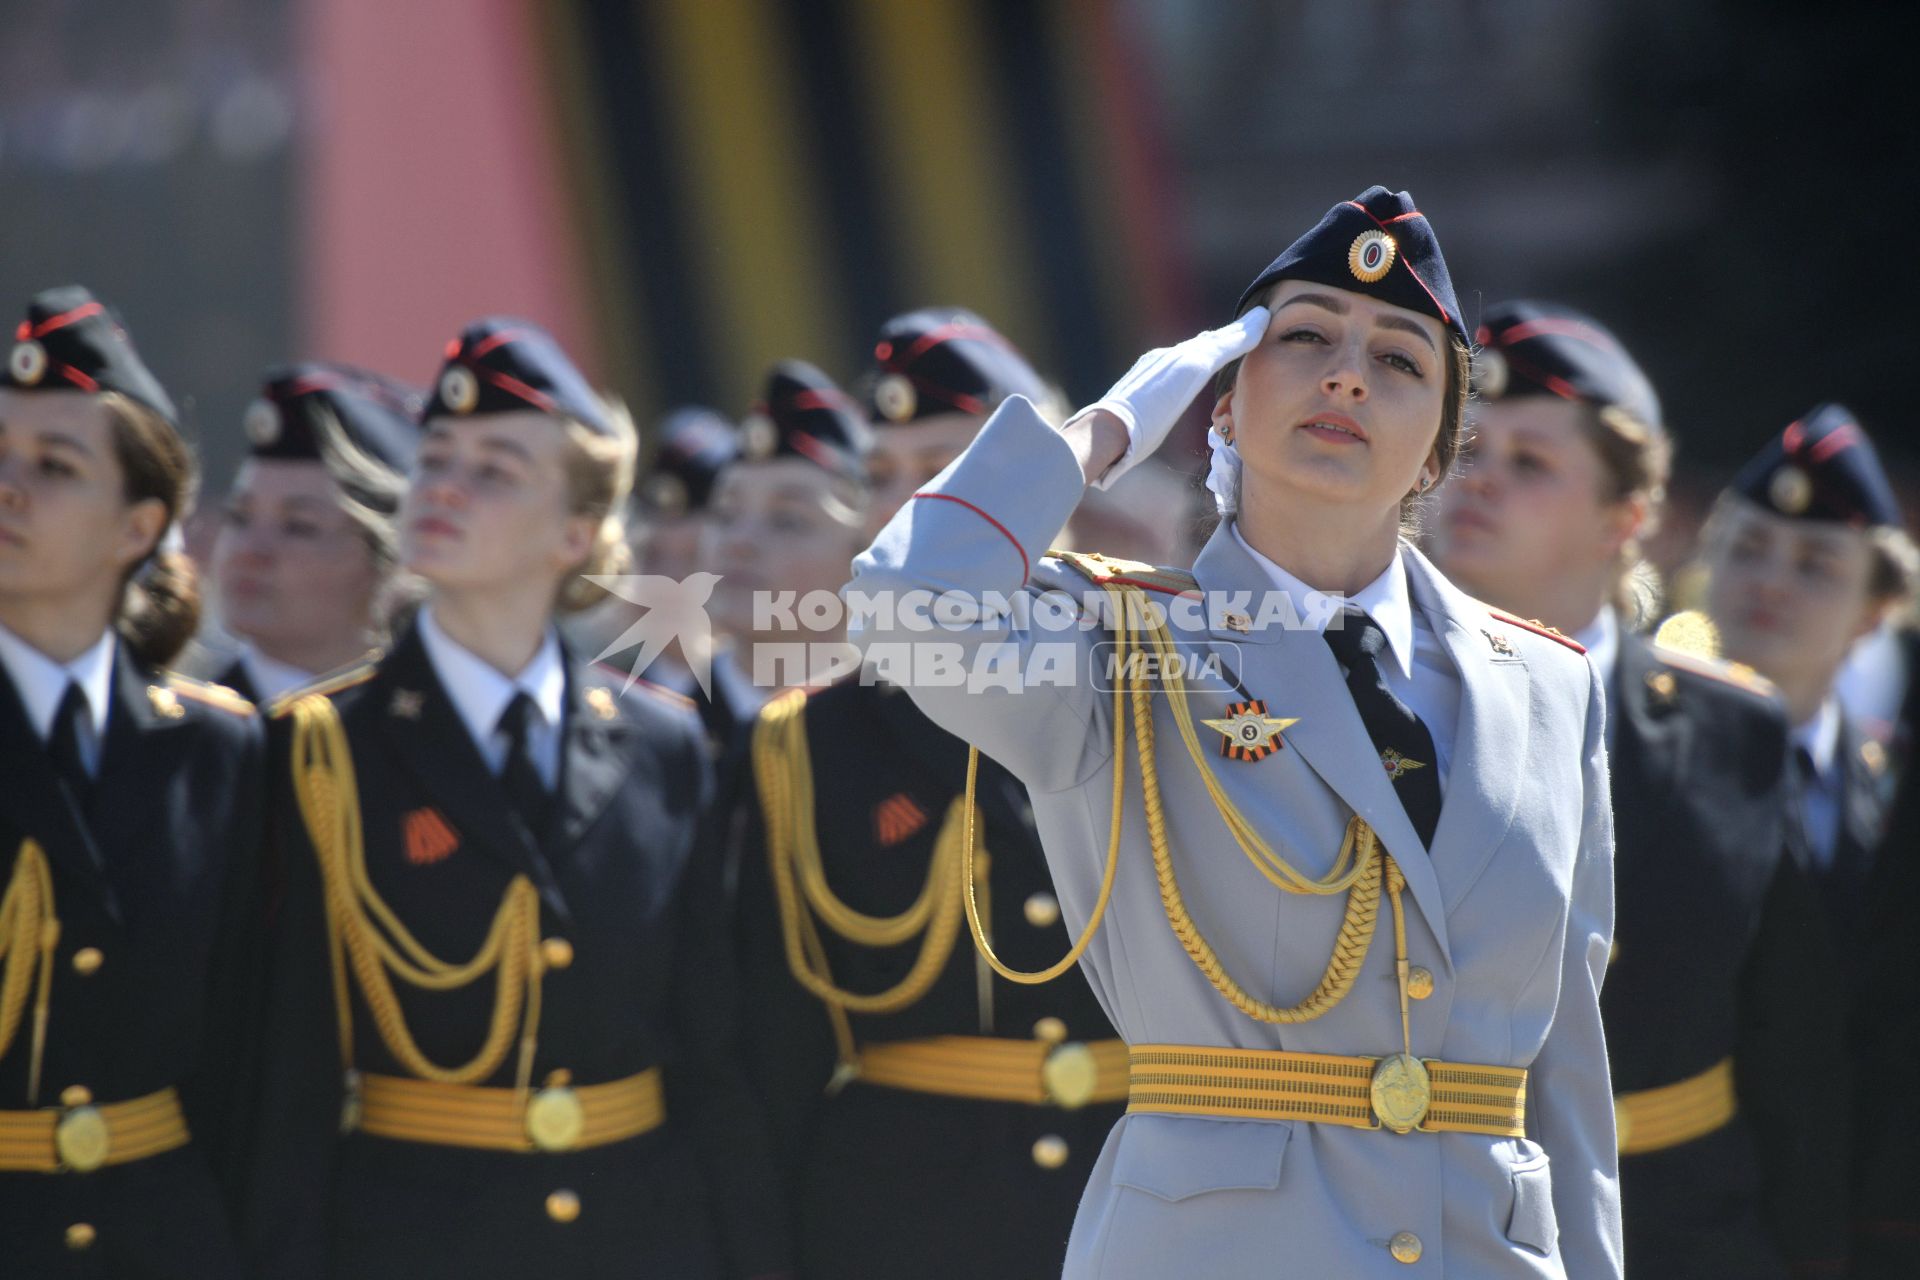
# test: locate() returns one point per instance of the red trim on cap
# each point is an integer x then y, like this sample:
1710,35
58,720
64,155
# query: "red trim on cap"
66,318
949,333
1839,438
958,399
1400,218
1400,259
1558,328
76,377
827,399
514,387
316,382
1025,568
495,340
22,331
815,449
452,348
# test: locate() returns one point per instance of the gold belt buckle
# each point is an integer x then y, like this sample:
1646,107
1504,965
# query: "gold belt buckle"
82,1139
1401,1091
1070,1075
556,1118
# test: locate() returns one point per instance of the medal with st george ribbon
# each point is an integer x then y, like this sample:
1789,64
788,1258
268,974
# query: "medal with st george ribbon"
1248,732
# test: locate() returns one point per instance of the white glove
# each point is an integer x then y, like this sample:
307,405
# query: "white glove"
1152,395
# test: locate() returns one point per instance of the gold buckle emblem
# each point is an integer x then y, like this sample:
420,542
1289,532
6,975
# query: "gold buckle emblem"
1069,1075
1402,1091
556,1119
82,1139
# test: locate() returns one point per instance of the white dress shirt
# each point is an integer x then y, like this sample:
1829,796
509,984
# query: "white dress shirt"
270,676
42,683
1819,794
481,693
1419,673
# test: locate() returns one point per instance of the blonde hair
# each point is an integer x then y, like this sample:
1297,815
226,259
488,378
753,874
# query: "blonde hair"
599,480
1636,458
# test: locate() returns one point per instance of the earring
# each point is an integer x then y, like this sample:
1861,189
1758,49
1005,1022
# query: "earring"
1226,433
1425,481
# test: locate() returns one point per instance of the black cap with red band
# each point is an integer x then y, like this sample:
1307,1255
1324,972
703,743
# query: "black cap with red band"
1540,348
71,341
803,414
1379,244
1823,467
301,405
503,365
944,360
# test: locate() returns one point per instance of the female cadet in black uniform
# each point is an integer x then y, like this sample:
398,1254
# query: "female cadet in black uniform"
939,1120
129,819
1805,554
1722,971
501,1040
306,547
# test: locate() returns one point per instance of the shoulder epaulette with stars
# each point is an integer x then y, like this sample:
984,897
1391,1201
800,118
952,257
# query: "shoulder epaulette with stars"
672,697
1103,569
1538,628
208,693
326,685
1738,674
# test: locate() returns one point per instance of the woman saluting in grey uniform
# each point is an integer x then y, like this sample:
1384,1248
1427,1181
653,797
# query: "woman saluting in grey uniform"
1345,888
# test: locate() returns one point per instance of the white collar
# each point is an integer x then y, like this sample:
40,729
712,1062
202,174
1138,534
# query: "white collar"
1601,639
42,682
1385,600
271,677
480,693
1820,735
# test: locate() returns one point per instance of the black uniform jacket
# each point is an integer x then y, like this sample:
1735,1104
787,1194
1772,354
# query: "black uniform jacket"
154,876
890,1183
628,880
1720,951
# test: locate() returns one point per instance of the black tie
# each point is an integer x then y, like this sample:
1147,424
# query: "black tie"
1405,746
526,791
71,727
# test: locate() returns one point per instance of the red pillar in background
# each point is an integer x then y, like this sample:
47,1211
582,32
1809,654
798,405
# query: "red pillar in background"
430,189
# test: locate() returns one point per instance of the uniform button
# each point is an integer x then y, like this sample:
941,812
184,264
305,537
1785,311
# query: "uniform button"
557,953
81,1235
1050,1152
1419,982
87,961
1050,1030
76,1095
1043,910
1405,1247
563,1206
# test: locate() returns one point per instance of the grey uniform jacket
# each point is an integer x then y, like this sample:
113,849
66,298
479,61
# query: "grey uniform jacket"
1512,912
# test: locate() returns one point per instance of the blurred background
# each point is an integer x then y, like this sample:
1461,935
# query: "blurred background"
685,190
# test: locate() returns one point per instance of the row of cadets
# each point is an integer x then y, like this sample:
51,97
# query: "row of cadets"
935,1120
303,565
500,1035
1722,972
130,821
1806,554
1361,891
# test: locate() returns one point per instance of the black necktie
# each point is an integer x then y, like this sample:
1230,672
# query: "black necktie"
526,791
71,727
1405,746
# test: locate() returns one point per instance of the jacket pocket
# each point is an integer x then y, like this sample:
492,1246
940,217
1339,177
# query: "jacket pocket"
1175,1158
1532,1224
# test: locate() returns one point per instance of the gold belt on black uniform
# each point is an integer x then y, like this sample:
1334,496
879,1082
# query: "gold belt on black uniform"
997,1069
83,1137
559,1117
1655,1119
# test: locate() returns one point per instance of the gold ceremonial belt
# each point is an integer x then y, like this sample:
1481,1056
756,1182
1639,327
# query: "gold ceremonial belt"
80,1139
994,1069
1400,1092
1655,1119
559,1117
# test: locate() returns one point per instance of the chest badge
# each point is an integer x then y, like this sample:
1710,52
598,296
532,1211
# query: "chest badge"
1398,765
407,704
1501,645
896,819
428,837
1248,733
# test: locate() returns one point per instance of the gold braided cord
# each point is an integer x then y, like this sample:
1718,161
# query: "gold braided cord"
1359,850
365,938
1123,639
29,935
783,771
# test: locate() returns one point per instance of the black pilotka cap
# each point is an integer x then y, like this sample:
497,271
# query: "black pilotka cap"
1823,467
377,415
1540,348
71,341
503,365
804,415
696,444
1379,244
945,360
